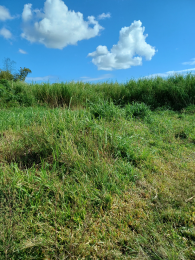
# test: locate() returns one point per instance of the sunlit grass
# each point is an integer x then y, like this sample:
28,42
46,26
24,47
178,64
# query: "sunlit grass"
175,92
96,180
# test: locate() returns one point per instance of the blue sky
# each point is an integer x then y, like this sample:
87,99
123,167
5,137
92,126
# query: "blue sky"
98,40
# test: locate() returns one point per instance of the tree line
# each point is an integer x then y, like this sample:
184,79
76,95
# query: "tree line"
7,72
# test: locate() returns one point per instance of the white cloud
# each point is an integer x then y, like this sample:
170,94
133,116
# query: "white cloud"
27,13
4,13
171,73
105,76
192,62
57,27
5,33
127,52
22,51
103,16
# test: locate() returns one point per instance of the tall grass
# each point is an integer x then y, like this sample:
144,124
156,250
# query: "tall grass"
175,92
98,171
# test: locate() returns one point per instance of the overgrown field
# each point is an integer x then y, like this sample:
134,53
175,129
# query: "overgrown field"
102,171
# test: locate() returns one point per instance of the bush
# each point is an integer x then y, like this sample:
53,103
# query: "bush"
14,96
5,83
6,75
105,109
137,110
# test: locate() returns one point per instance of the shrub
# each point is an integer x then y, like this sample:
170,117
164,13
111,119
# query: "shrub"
105,109
6,75
137,110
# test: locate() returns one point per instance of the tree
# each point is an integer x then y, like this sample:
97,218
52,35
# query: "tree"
23,72
9,65
9,68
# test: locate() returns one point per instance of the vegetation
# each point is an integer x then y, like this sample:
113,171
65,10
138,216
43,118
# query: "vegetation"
98,171
7,72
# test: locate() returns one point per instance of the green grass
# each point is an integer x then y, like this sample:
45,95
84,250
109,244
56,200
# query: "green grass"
98,177
175,93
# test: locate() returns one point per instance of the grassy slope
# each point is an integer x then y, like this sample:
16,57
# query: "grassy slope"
101,182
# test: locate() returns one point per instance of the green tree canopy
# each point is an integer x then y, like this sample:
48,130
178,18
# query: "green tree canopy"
23,72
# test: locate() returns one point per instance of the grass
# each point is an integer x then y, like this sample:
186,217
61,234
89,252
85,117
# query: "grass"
98,177
175,93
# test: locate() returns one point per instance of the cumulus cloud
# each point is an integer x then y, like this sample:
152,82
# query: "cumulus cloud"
127,52
192,62
27,12
5,33
4,13
22,51
57,27
104,16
